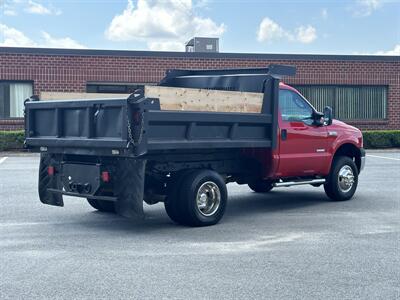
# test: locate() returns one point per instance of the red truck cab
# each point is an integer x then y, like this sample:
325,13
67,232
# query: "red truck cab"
311,146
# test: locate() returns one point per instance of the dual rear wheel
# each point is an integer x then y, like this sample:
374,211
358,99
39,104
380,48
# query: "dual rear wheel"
196,198
101,205
261,186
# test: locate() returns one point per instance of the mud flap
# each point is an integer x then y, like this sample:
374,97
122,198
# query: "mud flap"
129,188
46,181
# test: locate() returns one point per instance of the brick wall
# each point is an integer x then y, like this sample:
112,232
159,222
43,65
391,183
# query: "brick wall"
11,124
70,73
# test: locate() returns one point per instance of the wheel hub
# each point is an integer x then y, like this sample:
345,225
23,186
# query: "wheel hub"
208,198
202,202
345,178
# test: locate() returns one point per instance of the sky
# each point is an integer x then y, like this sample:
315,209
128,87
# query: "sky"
288,26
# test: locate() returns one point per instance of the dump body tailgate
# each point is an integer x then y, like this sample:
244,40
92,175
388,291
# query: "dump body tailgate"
136,126
76,123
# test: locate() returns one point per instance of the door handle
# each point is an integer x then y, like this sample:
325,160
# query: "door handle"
283,134
300,128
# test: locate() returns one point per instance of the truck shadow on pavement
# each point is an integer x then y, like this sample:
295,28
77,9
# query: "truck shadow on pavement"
240,208
282,200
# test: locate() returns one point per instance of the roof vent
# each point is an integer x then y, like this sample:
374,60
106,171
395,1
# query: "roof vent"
202,44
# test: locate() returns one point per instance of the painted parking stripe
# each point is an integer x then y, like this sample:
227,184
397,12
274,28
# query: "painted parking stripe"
32,223
3,159
384,157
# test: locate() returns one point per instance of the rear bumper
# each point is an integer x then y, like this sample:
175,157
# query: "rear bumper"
88,196
362,165
85,179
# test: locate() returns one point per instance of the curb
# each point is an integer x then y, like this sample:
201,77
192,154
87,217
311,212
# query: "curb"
384,150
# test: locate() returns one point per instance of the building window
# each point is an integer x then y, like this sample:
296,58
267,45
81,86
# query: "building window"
113,88
348,102
12,97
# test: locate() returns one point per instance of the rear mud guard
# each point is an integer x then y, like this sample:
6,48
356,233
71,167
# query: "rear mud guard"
46,181
129,187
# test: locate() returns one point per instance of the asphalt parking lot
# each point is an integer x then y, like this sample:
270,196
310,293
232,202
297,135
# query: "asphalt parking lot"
291,243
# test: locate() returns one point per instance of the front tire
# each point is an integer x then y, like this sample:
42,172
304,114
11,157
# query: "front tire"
342,181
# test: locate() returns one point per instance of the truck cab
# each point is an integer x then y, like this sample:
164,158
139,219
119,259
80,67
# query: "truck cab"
310,144
307,145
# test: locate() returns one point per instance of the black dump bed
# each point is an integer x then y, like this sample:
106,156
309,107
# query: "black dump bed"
137,126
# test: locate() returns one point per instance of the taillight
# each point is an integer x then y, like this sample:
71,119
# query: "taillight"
50,170
105,176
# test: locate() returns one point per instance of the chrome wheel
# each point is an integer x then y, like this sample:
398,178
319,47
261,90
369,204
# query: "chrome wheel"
345,178
208,198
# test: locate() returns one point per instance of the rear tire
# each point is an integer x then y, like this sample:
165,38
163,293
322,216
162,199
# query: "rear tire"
101,205
198,198
342,181
261,186
171,202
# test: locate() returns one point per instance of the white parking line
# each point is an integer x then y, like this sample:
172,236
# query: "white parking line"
3,159
31,224
377,156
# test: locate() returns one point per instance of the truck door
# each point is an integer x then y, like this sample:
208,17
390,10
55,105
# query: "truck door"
302,145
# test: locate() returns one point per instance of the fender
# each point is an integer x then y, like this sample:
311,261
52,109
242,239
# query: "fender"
338,144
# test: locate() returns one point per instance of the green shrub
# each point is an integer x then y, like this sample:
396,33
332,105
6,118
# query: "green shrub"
396,139
381,139
11,140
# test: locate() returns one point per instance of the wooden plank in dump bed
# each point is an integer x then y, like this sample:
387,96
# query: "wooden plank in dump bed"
172,98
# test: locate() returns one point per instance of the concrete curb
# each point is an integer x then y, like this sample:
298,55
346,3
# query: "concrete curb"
386,150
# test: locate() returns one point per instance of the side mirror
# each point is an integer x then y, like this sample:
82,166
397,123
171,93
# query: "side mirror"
328,115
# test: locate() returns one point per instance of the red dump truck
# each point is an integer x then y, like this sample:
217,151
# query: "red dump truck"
117,153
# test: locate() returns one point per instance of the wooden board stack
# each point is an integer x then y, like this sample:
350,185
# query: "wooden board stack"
172,98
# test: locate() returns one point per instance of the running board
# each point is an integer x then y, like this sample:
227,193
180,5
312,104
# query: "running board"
290,183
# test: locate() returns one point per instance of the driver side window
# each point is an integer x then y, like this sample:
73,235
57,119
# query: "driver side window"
293,108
